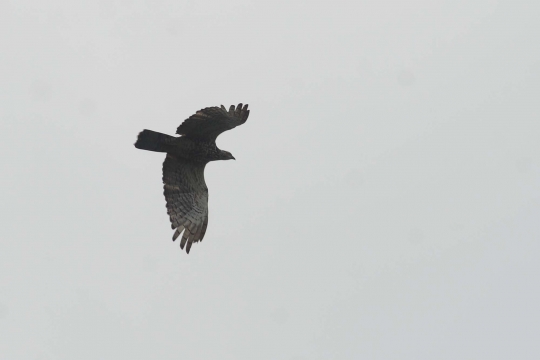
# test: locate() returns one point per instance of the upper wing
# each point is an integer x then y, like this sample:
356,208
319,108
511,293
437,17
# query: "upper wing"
208,123
187,199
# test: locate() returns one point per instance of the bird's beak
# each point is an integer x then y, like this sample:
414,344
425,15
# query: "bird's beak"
233,157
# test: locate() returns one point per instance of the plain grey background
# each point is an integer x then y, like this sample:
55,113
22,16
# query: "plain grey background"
384,203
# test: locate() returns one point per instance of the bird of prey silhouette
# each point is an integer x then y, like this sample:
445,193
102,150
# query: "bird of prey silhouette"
185,191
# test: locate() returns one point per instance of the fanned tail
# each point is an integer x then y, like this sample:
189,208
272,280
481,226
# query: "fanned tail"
153,141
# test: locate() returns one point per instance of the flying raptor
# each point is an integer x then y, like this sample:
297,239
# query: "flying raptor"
185,191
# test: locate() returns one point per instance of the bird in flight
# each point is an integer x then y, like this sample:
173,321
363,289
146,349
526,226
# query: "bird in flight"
185,191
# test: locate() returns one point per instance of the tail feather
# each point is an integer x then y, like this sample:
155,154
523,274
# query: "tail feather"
153,141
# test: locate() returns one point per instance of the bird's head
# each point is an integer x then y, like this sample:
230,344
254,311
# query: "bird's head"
225,155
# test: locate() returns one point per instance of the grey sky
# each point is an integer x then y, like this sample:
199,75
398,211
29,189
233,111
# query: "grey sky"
384,204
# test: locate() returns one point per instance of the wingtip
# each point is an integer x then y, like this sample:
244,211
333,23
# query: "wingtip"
184,239
177,232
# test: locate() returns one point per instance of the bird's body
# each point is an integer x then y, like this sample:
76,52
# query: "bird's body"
198,151
185,190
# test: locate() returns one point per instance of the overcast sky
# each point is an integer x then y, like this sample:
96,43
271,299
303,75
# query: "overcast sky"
384,204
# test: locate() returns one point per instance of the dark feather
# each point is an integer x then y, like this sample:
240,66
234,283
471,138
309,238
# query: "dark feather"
208,123
154,141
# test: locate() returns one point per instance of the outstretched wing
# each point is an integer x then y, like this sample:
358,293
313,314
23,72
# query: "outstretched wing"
208,123
187,199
